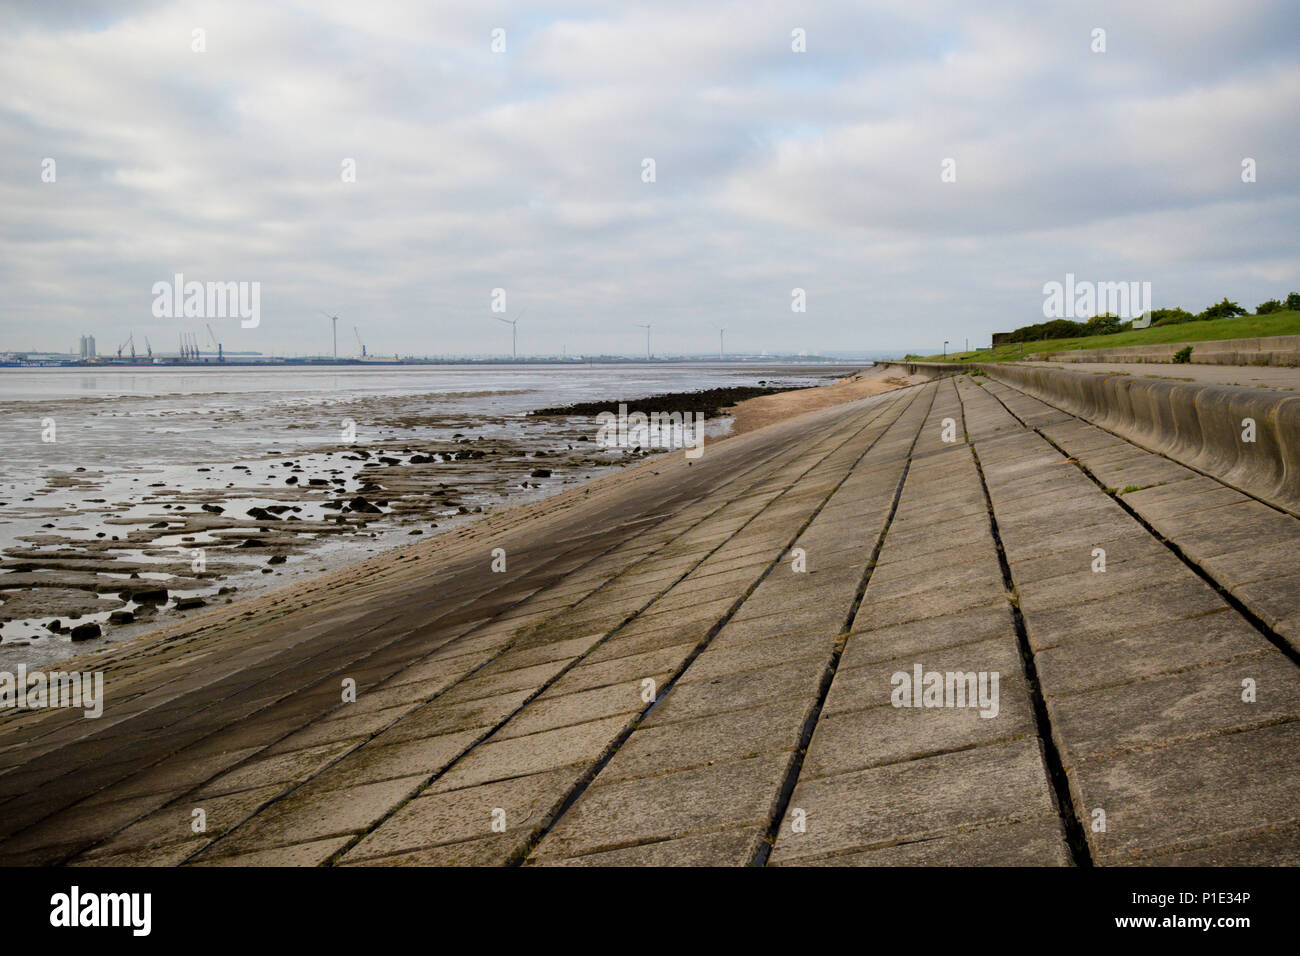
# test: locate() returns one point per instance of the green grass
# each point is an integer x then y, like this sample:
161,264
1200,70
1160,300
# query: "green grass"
1239,327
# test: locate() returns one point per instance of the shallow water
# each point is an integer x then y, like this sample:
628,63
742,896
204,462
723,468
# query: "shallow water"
138,453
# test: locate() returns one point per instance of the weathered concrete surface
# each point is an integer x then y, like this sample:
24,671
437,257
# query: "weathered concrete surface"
696,664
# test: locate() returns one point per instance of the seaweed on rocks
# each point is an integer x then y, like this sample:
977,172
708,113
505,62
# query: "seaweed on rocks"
710,401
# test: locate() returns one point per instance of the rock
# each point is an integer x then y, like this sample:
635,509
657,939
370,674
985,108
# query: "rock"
150,596
55,626
249,543
415,531
291,480
389,461
540,473
363,506
318,482
121,617
260,514
214,509
187,603
85,632
276,559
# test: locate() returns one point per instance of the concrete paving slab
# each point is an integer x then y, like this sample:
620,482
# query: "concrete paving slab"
587,676
727,848
639,811
1146,651
936,602
1259,846
313,813
686,700
1189,793
534,753
493,850
1195,702
918,799
373,761
440,817
655,750
1086,585
1271,563
1185,600
278,768
313,853
718,661
1274,600
438,718
174,823
549,712
1037,842
934,633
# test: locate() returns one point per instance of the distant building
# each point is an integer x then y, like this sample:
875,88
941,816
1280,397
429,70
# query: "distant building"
87,347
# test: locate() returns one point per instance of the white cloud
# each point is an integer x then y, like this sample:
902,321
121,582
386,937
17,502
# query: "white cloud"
523,169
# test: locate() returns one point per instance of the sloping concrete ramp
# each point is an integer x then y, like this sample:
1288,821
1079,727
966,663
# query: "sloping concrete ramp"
948,625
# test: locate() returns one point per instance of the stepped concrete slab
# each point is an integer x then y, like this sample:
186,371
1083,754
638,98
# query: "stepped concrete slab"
698,663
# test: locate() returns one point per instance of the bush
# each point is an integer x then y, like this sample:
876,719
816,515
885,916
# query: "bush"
1052,329
1222,310
1174,316
1293,301
1183,355
1106,324
1264,308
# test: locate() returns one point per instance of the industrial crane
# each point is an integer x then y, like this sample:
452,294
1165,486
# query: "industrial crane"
361,344
220,354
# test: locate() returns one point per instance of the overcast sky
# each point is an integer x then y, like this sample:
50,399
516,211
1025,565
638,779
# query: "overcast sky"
523,169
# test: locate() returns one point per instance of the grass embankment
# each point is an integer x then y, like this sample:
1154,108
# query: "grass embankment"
1238,327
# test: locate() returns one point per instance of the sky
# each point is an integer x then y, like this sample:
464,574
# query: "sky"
524,169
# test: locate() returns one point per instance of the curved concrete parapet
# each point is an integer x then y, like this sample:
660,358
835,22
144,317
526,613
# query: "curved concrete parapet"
1202,426
925,370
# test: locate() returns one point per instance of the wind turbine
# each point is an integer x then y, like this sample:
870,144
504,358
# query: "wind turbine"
722,344
646,326
514,331
334,319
